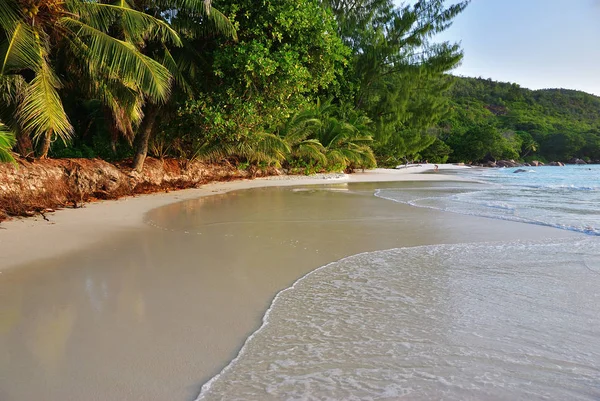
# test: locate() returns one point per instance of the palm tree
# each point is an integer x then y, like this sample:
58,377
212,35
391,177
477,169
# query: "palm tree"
34,31
347,142
336,136
193,20
7,141
299,133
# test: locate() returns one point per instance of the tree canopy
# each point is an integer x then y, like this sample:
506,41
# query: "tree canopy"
313,84
547,125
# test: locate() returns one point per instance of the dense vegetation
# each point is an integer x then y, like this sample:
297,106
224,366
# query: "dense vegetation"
496,120
310,85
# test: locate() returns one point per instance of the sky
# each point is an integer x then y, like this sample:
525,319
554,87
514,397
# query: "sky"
534,43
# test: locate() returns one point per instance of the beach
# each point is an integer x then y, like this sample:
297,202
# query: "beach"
71,229
150,297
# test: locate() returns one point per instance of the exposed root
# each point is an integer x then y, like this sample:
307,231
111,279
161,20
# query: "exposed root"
36,188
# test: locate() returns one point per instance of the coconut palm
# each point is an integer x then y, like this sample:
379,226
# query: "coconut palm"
299,133
258,148
332,135
193,20
33,32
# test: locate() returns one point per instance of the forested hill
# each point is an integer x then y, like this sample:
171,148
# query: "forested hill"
503,120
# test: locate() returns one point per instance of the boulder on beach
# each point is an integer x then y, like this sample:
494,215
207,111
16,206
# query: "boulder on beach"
507,163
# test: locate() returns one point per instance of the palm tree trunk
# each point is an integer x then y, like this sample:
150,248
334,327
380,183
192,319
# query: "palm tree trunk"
24,145
142,138
46,142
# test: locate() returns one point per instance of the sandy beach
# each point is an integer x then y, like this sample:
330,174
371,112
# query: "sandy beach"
26,240
149,297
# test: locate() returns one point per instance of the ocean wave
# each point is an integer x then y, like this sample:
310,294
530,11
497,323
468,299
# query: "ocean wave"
462,321
493,210
265,321
570,187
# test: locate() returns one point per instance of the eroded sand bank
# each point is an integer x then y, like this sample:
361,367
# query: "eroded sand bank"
152,311
27,240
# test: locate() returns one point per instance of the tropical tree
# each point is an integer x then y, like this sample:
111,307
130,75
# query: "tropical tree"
299,133
37,34
335,137
347,137
194,21
398,71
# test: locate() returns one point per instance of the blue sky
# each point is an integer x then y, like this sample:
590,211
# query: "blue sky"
535,43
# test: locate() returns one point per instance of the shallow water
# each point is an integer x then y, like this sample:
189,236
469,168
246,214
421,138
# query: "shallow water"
562,197
499,321
154,313
496,321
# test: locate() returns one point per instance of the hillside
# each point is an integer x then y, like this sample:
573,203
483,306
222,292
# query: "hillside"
503,120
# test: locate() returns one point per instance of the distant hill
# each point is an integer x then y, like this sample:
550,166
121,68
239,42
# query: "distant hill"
515,122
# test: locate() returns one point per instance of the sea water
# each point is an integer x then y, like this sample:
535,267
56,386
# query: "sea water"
493,321
563,197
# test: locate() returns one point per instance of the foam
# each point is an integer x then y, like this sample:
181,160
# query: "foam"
458,321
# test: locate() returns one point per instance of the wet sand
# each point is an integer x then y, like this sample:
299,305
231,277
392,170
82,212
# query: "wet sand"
155,310
68,230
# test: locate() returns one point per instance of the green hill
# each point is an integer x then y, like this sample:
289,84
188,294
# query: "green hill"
496,120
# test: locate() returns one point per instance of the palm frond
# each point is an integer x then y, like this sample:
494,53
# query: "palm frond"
269,148
41,112
7,141
124,60
9,14
176,71
137,26
195,22
21,50
311,149
12,88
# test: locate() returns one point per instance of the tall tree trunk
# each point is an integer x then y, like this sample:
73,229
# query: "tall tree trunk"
142,138
24,145
112,128
46,142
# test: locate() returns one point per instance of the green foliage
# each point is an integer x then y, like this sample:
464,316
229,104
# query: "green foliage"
438,152
119,79
32,37
7,141
551,124
336,137
484,142
287,53
398,71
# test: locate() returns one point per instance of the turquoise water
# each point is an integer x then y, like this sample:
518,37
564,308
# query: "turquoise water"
563,197
476,321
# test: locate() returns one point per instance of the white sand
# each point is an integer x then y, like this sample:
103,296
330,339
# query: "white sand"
112,309
26,240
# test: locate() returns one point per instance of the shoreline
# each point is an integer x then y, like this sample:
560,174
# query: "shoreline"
178,290
69,229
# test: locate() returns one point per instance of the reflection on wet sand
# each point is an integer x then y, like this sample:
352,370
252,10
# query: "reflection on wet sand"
155,312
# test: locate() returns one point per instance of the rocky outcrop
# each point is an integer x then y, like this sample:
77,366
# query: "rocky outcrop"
560,164
508,163
576,161
35,187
